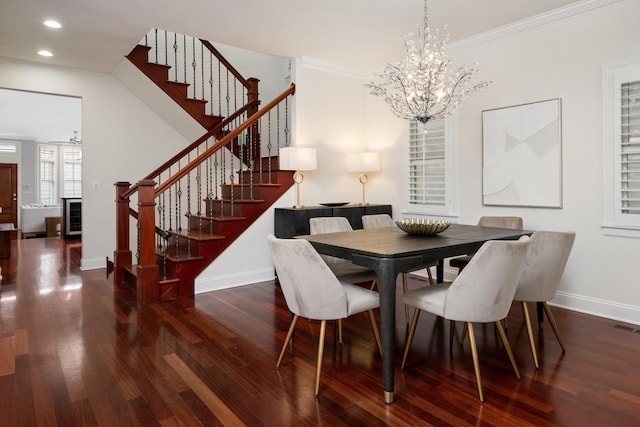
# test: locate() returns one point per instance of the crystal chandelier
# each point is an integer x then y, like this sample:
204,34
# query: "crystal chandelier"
420,87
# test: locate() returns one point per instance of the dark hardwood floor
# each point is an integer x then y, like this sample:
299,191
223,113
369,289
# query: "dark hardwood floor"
75,350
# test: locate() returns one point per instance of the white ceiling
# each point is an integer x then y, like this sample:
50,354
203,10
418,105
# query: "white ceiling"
357,34
360,35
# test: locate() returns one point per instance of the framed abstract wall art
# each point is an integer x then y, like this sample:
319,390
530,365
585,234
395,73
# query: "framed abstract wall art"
522,155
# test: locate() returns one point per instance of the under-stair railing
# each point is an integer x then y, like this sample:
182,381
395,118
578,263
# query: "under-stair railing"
198,146
199,64
200,188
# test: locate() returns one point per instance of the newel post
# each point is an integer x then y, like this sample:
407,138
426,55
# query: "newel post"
253,97
148,272
122,254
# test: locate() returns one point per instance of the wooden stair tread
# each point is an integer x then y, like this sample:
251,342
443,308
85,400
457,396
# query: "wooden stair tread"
256,184
195,235
245,201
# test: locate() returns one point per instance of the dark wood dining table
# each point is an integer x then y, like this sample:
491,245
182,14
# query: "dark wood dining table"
390,251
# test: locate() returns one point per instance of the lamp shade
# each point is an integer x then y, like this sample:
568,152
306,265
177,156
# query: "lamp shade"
298,158
363,162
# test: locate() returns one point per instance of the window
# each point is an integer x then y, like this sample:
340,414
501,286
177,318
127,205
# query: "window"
47,175
622,149
8,148
430,169
72,172
60,172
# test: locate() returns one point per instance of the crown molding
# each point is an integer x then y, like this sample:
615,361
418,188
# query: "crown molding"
534,22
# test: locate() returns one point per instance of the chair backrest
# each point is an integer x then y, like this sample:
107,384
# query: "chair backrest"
329,224
543,269
483,291
377,221
514,222
309,286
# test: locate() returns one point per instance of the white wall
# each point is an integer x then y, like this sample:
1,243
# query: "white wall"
117,129
562,59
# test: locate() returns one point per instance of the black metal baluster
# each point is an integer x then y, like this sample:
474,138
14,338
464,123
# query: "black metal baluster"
269,146
175,57
193,65
155,48
188,212
184,56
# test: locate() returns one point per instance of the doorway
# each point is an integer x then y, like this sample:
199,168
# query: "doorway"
46,131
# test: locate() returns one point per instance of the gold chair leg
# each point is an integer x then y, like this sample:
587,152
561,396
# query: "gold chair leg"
527,320
323,328
376,332
554,325
412,330
287,340
476,365
507,347
431,281
463,335
374,284
339,331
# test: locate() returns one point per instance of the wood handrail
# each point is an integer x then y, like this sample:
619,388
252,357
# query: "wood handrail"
224,62
192,146
224,141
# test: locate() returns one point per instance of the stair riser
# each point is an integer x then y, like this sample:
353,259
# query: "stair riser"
217,209
264,177
244,192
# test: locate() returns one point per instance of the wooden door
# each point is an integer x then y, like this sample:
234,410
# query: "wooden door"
9,193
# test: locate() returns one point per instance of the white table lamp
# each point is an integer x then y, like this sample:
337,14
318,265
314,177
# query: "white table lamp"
363,163
298,159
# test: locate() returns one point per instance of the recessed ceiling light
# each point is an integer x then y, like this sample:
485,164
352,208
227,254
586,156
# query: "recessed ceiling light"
52,24
45,53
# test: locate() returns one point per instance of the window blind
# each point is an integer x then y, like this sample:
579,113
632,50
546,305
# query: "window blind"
47,176
427,163
630,148
72,172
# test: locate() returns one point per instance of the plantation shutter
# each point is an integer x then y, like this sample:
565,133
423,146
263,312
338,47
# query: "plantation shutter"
427,163
72,172
630,148
47,176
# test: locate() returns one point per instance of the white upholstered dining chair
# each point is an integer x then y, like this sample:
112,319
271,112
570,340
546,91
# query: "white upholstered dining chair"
514,222
345,270
312,291
543,269
481,293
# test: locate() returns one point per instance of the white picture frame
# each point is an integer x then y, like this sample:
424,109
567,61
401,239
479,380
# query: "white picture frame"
522,155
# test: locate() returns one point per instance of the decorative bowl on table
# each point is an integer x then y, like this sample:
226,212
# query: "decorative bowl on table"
422,227
334,204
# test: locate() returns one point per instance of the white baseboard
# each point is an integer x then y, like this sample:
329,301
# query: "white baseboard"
93,263
598,307
227,281
594,306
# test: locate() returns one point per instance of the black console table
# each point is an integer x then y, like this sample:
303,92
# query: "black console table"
290,222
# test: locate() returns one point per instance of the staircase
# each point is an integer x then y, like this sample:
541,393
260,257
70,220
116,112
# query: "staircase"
190,209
